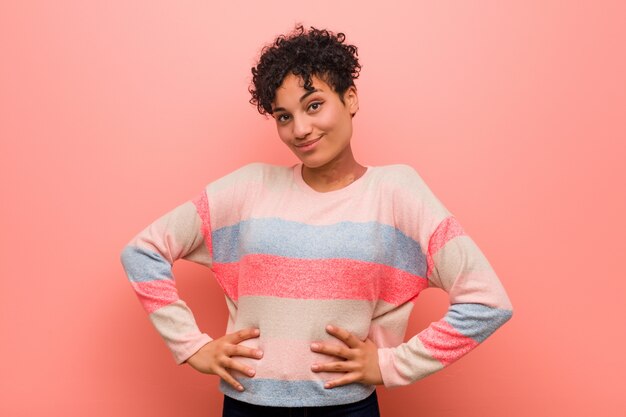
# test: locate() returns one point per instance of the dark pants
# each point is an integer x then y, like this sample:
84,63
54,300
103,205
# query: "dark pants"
364,408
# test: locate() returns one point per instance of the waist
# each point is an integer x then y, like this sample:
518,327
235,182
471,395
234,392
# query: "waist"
287,360
296,394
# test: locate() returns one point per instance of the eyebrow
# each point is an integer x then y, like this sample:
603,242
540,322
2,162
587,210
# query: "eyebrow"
308,93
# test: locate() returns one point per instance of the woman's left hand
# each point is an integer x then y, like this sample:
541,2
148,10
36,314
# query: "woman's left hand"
359,359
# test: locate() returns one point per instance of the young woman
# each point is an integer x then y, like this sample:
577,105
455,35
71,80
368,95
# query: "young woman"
320,262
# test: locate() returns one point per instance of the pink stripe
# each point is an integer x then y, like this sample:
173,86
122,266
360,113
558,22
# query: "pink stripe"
274,366
448,229
227,276
202,206
155,294
445,343
269,275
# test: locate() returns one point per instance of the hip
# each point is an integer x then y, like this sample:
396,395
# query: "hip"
367,407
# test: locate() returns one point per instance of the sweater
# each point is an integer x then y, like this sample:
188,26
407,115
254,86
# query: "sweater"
292,260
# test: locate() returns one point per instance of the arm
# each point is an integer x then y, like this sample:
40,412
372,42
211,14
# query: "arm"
478,306
148,260
183,233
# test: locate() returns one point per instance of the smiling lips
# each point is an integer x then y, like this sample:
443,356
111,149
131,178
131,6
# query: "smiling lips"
308,145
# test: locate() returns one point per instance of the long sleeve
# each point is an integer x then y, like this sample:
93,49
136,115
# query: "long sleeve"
478,306
148,260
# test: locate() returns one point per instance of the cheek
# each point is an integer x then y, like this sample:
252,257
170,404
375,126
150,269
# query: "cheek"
330,120
335,115
338,123
283,134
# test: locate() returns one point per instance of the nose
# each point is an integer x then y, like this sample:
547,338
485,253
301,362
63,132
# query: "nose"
301,127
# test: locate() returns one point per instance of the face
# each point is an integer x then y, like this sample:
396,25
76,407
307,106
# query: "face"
317,125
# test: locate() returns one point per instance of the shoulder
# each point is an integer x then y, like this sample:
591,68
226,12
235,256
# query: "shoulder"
256,169
408,191
254,173
399,176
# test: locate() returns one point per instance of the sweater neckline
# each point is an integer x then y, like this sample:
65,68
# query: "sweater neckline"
348,189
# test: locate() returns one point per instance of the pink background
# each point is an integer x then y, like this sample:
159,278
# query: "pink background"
112,113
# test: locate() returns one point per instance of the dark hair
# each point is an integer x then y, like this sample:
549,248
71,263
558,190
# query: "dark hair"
317,52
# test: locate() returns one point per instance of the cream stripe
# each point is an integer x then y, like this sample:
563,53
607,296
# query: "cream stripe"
298,319
176,324
465,273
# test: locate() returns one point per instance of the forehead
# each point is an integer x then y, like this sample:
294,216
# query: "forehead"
292,89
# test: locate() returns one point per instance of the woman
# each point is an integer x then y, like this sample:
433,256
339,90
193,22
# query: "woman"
320,262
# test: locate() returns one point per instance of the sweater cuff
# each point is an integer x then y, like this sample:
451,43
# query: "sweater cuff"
190,348
388,370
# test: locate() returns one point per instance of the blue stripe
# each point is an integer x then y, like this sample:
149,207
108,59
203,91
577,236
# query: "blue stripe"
368,242
477,321
277,393
142,265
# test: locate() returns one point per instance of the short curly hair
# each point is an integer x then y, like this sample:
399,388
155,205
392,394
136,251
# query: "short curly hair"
304,53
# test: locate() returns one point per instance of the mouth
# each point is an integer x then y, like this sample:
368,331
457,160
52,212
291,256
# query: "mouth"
308,145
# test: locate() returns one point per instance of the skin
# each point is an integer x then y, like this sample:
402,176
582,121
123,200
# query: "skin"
358,359
301,117
216,357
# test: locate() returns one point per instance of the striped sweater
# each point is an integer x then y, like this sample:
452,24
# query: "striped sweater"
291,260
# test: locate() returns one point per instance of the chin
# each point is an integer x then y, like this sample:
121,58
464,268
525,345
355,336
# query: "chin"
313,162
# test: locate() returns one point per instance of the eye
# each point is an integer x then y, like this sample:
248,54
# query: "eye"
315,106
282,118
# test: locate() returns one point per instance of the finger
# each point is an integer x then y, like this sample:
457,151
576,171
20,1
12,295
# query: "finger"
239,350
243,334
228,378
344,380
343,366
238,366
344,335
333,350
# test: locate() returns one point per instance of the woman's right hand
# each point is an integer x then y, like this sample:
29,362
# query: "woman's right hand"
216,356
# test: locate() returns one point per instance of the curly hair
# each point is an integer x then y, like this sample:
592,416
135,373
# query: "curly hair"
316,52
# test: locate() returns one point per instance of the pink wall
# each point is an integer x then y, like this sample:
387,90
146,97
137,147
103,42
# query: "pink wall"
113,112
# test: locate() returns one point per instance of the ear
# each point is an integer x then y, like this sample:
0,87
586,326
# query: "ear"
351,100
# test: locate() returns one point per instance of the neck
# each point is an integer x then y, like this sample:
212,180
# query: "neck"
335,175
